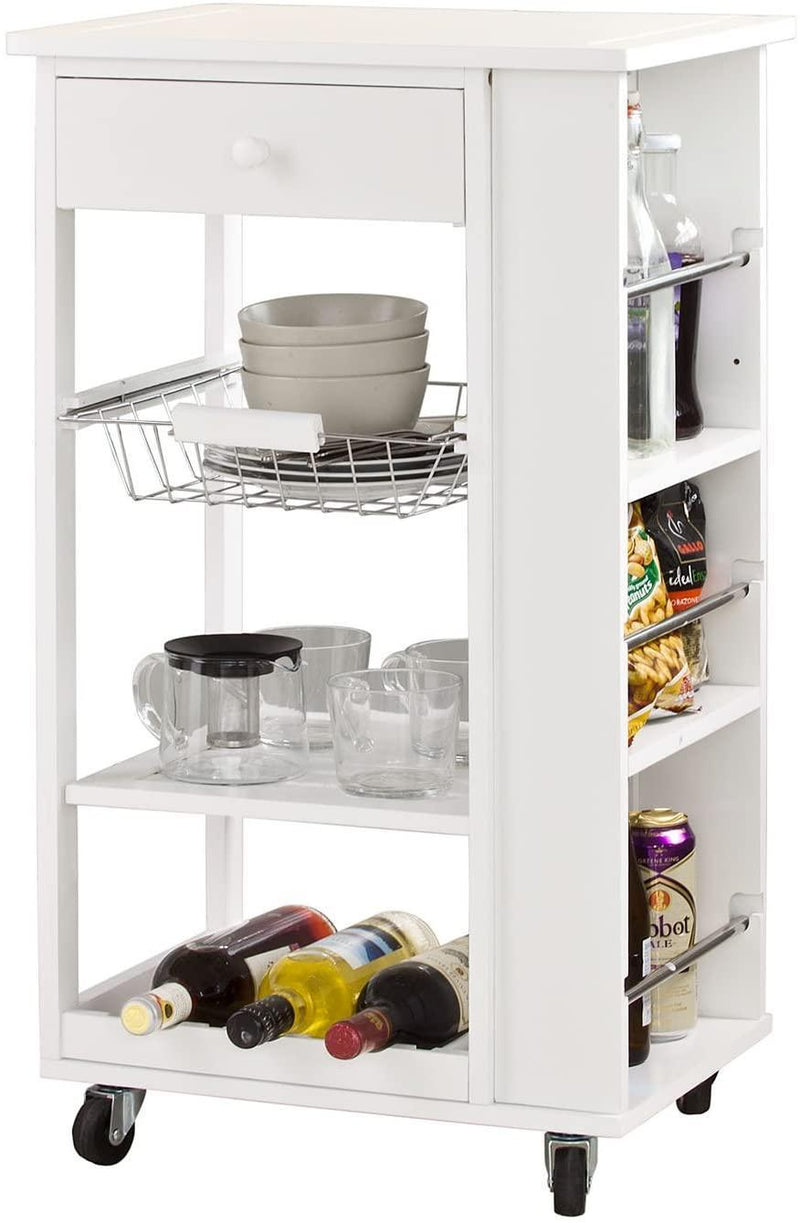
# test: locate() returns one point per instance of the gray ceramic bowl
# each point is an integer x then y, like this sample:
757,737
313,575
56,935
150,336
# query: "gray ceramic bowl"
332,318
336,360
377,403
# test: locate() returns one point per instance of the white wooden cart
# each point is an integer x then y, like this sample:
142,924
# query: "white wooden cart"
512,124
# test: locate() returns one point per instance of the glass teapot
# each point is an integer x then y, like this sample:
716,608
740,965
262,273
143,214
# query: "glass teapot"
227,708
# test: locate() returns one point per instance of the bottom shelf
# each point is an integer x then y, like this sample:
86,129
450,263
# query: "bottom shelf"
401,1081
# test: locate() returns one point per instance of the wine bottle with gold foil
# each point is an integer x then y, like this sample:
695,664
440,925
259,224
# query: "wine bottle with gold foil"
311,989
423,1001
209,978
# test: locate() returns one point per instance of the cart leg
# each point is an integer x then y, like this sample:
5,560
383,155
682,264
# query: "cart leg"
571,1161
698,1100
104,1128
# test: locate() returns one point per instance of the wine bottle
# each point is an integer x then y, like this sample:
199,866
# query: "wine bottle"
307,991
638,961
424,1001
210,977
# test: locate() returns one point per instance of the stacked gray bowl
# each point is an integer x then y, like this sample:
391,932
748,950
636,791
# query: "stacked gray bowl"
358,359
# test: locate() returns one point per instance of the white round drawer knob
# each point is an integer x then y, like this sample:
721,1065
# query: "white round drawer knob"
249,151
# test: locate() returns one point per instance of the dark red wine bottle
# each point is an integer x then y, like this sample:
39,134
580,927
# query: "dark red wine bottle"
638,961
209,978
423,1001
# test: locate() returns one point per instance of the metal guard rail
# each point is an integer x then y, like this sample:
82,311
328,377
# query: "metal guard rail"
685,275
680,619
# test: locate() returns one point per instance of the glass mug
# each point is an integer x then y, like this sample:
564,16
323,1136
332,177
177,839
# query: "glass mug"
226,708
327,650
394,731
442,654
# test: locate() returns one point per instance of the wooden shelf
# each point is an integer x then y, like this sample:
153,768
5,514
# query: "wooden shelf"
676,1067
93,1032
401,1081
137,784
713,448
664,735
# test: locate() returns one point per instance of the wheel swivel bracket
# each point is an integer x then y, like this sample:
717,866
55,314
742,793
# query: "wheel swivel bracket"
125,1105
552,1142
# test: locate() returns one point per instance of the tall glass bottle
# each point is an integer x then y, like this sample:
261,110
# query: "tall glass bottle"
684,246
651,344
638,961
308,991
209,978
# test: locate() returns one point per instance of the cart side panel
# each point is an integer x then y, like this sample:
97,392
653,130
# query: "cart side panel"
559,581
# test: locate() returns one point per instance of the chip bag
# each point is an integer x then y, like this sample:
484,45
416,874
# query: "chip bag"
658,673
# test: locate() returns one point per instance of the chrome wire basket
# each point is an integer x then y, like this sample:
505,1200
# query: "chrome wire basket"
191,440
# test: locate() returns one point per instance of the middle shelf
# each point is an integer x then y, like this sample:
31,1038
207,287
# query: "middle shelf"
137,783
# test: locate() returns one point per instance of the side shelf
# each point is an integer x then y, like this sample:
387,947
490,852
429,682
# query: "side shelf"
664,735
711,449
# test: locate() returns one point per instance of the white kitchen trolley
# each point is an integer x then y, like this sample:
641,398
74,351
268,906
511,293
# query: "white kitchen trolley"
513,125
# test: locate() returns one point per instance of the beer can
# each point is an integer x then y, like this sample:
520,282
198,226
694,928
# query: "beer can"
664,846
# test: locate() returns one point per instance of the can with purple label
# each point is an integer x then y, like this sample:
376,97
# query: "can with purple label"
664,846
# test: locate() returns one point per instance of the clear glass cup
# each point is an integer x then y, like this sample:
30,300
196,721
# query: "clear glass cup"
394,731
442,654
327,650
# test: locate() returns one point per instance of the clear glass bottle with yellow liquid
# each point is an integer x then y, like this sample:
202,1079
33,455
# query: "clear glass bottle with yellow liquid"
312,988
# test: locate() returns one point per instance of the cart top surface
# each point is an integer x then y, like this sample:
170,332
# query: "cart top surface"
260,33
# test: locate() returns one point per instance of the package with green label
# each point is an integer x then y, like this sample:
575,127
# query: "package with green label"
657,672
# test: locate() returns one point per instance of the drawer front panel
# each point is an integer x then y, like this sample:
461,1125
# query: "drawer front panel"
280,150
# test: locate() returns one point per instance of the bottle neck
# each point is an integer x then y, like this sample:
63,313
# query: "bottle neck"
367,1032
163,1007
661,174
262,1022
635,176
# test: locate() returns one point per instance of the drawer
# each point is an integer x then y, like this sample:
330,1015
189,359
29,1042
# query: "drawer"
280,150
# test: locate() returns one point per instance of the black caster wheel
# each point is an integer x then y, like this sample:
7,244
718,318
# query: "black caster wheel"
571,1162
103,1130
698,1100
569,1181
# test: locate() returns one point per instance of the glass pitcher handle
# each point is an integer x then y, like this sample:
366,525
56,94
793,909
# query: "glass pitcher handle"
354,715
396,662
145,699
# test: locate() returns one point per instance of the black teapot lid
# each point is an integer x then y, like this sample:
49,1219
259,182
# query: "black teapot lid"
231,655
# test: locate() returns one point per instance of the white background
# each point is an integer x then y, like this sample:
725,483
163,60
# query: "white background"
140,305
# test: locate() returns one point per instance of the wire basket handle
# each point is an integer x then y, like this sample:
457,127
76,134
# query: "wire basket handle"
197,424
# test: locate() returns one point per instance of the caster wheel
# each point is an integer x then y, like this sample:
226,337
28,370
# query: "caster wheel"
698,1100
569,1181
90,1136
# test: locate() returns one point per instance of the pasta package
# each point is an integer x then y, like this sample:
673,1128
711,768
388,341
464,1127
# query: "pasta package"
675,520
658,673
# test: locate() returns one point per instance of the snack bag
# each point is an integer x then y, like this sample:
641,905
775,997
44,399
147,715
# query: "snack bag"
675,519
657,672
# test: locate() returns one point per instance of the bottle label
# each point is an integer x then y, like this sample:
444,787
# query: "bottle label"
260,965
381,935
174,1002
452,961
673,921
360,945
415,934
647,967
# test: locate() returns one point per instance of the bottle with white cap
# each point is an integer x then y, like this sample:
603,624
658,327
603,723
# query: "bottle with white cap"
210,977
684,245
